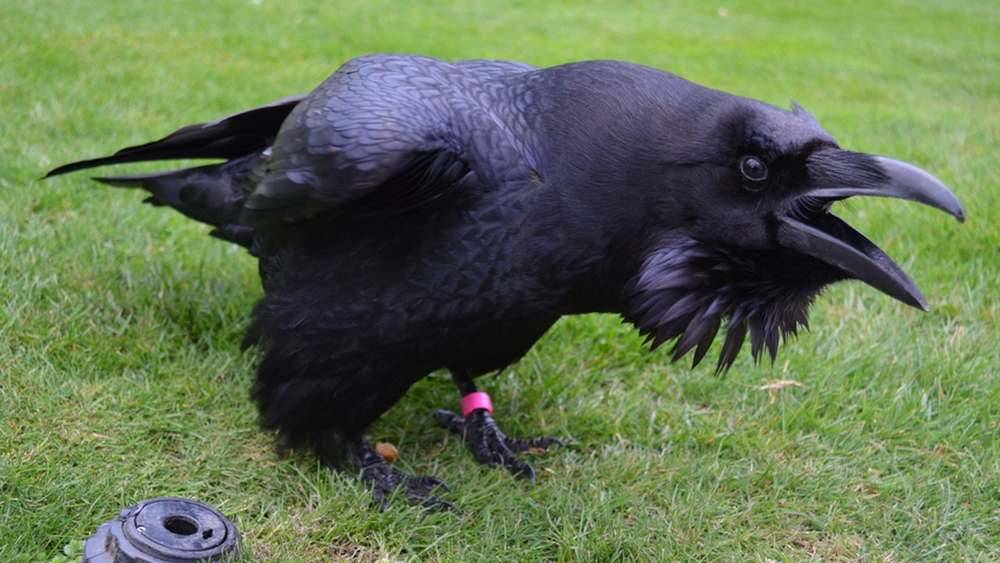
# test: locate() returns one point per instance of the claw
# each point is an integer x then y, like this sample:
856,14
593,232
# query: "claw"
520,469
533,445
449,420
430,482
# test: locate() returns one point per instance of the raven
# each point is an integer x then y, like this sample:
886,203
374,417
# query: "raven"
412,214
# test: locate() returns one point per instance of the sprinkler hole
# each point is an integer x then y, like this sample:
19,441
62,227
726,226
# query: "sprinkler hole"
180,525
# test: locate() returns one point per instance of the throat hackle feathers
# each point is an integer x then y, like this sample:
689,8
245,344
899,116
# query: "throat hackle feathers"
687,290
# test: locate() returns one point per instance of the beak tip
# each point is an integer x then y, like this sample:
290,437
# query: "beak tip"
907,181
919,302
955,209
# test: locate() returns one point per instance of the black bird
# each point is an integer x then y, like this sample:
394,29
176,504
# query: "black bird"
412,214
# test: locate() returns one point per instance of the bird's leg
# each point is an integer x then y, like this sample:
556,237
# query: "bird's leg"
383,479
481,433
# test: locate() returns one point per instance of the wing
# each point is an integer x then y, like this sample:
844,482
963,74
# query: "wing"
395,132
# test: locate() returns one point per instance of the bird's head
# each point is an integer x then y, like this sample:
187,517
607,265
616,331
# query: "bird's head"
773,179
748,230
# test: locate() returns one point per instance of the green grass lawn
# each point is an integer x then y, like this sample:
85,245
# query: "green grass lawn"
122,378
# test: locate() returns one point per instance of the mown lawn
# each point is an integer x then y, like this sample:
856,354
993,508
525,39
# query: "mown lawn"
122,378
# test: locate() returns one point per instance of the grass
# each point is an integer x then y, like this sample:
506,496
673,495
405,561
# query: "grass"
119,324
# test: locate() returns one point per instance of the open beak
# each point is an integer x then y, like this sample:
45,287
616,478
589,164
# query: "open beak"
835,175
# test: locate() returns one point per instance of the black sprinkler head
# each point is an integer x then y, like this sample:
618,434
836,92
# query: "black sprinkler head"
164,530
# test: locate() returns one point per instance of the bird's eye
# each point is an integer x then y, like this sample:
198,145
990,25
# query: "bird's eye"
753,168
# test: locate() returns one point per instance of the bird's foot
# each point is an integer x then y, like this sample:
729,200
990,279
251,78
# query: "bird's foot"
490,445
384,480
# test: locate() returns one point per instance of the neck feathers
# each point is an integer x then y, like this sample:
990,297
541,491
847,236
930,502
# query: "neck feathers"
686,290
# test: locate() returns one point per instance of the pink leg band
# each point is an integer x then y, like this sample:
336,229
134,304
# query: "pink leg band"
475,401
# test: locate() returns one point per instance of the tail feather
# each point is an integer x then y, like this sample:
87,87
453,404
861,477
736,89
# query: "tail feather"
229,137
212,194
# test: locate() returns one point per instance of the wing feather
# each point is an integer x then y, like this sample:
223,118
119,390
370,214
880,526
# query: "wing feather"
397,131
